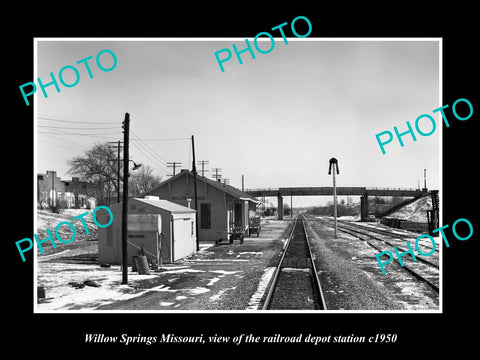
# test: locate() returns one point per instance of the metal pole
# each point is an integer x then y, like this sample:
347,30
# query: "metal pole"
335,200
334,164
194,170
126,127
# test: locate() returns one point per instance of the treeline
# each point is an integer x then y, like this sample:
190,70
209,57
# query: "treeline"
327,210
376,205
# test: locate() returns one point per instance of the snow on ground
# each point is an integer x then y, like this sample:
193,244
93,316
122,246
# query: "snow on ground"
219,295
47,219
193,280
262,285
416,211
62,296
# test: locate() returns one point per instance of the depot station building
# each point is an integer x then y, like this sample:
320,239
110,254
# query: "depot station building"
220,206
162,221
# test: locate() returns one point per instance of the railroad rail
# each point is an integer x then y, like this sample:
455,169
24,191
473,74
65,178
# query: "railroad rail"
389,239
295,284
424,270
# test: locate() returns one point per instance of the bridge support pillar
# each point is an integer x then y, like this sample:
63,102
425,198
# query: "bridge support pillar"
280,207
364,207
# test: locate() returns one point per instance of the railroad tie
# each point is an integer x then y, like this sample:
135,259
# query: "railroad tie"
296,263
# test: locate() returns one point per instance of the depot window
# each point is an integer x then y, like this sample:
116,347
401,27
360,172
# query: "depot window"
205,216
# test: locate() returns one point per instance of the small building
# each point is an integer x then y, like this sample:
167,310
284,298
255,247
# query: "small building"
49,189
76,193
53,191
174,239
222,209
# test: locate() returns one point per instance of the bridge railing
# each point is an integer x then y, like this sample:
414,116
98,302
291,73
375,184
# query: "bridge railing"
262,189
390,189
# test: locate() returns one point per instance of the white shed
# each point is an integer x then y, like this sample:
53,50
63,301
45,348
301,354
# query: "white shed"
161,227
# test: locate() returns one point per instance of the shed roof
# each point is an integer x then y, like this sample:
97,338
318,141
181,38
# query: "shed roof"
160,204
166,205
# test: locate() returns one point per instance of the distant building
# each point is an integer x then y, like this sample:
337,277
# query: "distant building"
221,207
73,193
76,193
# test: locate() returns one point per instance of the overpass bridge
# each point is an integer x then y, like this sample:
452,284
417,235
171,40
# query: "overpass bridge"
363,192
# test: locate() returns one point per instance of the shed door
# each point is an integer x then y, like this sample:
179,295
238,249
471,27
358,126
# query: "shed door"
183,242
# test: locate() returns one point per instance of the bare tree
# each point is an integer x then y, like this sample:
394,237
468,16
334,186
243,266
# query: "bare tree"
98,165
143,180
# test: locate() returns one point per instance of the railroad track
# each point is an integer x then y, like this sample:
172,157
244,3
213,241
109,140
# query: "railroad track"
423,269
295,284
391,240
389,233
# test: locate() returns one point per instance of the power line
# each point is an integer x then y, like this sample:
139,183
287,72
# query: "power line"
78,134
172,139
141,142
76,122
154,160
147,147
77,128
143,148
68,144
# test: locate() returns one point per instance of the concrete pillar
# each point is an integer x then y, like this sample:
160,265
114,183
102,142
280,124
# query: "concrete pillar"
280,207
364,207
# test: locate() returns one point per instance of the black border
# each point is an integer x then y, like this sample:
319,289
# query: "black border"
417,333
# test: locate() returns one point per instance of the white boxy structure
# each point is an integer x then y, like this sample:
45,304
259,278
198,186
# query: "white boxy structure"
165,231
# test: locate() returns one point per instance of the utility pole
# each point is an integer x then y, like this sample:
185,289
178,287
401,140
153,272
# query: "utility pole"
203,163
243,183
194,170
226,181
118,171
216,176
174,165
118,146
334,164
53,188
126,133
425,178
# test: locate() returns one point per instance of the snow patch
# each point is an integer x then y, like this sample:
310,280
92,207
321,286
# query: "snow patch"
262,285
180,271
287,269
198,290
225,272
213,281
250,253
166,303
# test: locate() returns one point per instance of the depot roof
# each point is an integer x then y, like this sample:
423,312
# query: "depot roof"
216,184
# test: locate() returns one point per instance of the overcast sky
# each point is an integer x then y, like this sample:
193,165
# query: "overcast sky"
277,119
